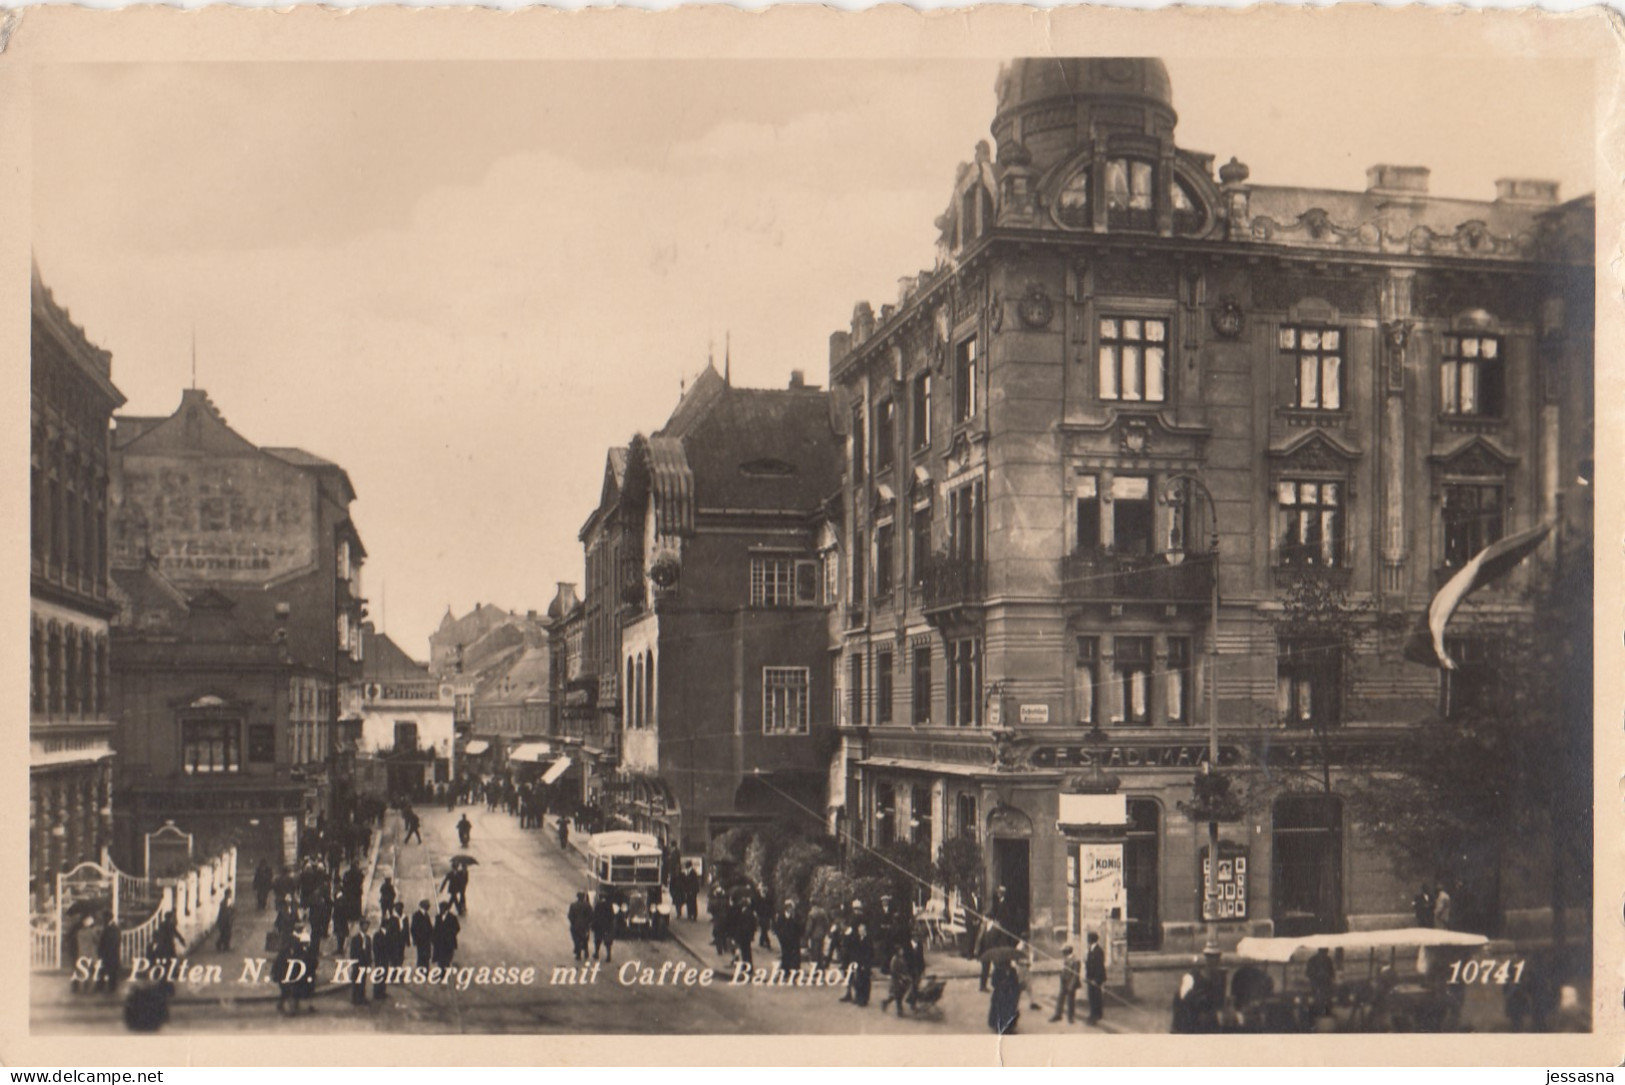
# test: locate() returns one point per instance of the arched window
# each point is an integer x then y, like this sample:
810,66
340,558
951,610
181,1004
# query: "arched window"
628,698
1130,185
1072,202
70,677
975,213
1142,849
637,711
1189,213
36,670
649,688
87,673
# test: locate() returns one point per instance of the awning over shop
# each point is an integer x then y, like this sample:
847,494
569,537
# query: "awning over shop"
941,768
533,753
555,770
476,747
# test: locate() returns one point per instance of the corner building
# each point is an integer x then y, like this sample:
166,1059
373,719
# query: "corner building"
70,718
1118,348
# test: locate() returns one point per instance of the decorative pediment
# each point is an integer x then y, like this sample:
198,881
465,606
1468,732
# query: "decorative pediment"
960,449
1315,451
1475,458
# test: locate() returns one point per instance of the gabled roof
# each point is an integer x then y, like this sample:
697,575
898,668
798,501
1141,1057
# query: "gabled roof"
325,469
525,678
763,449
146,598
383,658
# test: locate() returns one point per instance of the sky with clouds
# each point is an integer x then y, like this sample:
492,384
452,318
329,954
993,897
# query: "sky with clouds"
463,282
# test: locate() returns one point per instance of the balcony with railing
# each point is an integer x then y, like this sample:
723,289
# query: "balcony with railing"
953,582
1102,576
1327,561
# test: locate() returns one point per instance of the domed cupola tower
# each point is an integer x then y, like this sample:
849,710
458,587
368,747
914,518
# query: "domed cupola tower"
1097,136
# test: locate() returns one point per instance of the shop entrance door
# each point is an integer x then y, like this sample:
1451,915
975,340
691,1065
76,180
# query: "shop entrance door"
1012,869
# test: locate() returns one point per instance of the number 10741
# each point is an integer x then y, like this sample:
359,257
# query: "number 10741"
1487,972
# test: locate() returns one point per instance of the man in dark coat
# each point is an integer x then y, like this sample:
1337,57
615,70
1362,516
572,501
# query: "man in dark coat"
354,882
361,953
107,951
446,929
455,886
862,954
763,900
1094,973
262,883
386,947
742,926
321,915
422,931
1322,975
1422,904
603,926
344,913
222,923
691,885
284,886
580,917
996,930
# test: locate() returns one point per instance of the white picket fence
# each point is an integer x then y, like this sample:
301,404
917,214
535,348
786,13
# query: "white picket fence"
194,898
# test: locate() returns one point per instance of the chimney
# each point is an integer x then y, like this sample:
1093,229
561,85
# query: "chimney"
840,345
798,378
1526,191
1402,182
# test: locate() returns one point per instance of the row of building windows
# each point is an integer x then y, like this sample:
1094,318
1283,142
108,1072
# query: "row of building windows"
891,826
68,671
1133,367
69,523
1141,680
963,694
216,746
1119,516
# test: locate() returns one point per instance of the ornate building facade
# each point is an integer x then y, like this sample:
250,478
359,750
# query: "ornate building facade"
1127,373
70,724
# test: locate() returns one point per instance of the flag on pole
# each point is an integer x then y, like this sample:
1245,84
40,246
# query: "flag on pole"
1426,645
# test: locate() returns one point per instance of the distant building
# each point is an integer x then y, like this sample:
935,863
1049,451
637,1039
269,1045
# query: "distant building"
497,663
591,712
1117,342
724,683
408,738
70,719
451,640
513,705
269,531
579,713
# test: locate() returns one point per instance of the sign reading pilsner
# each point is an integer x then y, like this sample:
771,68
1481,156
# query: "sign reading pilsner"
1230,886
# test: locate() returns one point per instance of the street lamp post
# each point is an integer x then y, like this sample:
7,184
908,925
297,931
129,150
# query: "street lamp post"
1209,882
